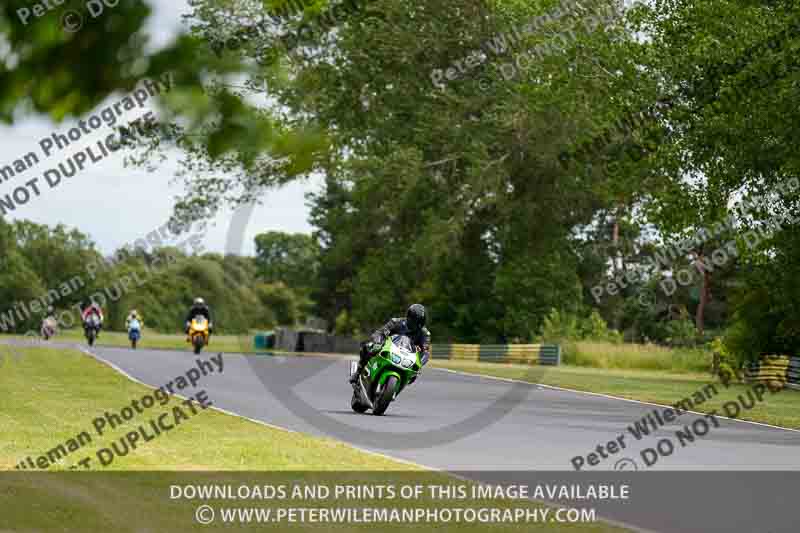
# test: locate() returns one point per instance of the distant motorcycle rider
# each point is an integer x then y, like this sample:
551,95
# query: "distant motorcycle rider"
49,323
199,307
133,315
93,308
412,325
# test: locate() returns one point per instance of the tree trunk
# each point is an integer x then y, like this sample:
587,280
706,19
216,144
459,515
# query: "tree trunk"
704,297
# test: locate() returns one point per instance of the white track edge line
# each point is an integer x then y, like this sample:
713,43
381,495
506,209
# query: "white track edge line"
214,407
610,397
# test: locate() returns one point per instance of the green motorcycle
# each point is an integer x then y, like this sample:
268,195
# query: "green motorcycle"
392,369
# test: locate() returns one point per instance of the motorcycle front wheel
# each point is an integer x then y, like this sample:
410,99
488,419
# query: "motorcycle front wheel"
198,344
356,405
386,396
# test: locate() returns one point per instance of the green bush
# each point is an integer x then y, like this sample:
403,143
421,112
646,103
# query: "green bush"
680,332
559,326
727,362
766,303
345,325
281,300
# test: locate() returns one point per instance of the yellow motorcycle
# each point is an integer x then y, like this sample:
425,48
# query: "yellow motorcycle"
198,333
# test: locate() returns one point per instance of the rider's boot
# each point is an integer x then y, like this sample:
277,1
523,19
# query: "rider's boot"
354,378
363,358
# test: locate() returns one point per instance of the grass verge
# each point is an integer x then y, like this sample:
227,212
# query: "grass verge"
48,396
628,356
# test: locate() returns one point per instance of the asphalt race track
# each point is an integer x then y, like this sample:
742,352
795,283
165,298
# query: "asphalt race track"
543,432
466,423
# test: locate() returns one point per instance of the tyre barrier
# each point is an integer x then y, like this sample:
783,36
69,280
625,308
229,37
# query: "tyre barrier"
291,340
543,354
323,343
774,368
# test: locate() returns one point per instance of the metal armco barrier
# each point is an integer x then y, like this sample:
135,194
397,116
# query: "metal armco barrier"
543,354
773,368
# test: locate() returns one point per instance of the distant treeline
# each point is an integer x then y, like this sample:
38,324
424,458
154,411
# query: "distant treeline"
41,266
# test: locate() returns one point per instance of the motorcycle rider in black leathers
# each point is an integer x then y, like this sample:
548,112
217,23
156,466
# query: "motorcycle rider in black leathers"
413,326
199,307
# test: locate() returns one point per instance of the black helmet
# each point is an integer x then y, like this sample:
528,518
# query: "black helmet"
415,317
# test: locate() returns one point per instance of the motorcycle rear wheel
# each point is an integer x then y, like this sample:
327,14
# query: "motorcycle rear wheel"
387,395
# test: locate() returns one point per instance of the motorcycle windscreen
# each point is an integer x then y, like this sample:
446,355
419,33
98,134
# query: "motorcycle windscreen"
404,342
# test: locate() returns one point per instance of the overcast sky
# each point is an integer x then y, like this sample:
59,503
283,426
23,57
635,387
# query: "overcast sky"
116,205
